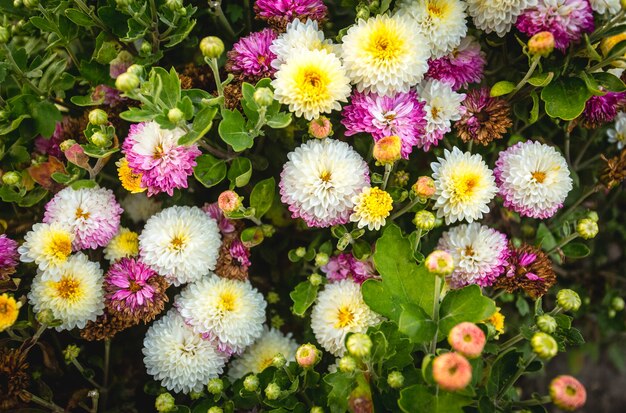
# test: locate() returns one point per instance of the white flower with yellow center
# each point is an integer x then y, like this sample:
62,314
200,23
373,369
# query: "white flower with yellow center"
48,245
229,312
441,22
181,243
497,15
371,207
75,297
340,310
464,186
260,355
181,359
441,104
311,82
385,54
124,244
617,134
299,36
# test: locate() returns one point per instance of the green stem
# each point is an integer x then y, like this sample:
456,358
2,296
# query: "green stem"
405,209
223,20
81,370
216,75
44,403
515,377
418,238
107,362
246,8
388,169
576,204
433,344
582,153
30,343
511,342
21,74
530,72
533,402
156,37
564,242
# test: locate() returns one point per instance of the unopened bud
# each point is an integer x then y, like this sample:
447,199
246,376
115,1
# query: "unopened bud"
424,187
66,144
5,35
395,380
164,403
272,391
587,228
273,297
100,139
146,48
251,382
317,409
229,202
593,215
263,96
321,127
359,345
424,220
401,178
215,409
31,4
541,44
268,230
307,355
617,303
362,11
135,69
215,386
300,252
546,323
212,47
175,115
174,5
347,364
439,262
321,259
11,178
127,82
70,353
98,117
315,279
388,150
568,299
279,361
544,345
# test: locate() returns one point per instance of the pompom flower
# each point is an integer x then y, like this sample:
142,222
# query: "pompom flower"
452,371
75,297
179,358
528,269
617,134
385,54
124,244
485,119
464,186
311,82
320,180
251,56
130,181
401,114
260,355
181,243
154,153
497,15
47,245
340,310
231,313
371,207
464,65
345,267
8,257
567,393
533,178
278,13
479,252
603,109
91,214
298,36
442,106
468,339
9,310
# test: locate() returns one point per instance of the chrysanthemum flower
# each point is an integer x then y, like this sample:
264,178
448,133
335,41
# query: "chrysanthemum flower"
617,134
497,321
452,371
385,54
442,106
130,181
278,13
440,22
178,357
528,269
9,310
465,186
401,114
345,267
479,252
75,297
567,20
124,244
181,243
48,245
468,339
319,181
464,65
497,15
8,257
485,119
229,312
603,109
251,56
225,225
602,6
155,154
139,207
567,393
298,36
311,82
340,310
533,179
260,355
14,378
371,207
91,214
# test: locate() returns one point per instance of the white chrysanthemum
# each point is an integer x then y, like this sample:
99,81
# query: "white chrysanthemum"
320,181
124,244
48,245
298,36
441,104
464,186
228,311
533,179
340,310
441,22
260,355
601,6
178,357
385,54
617,134
75,295
497,15
181,243
311,82
139,207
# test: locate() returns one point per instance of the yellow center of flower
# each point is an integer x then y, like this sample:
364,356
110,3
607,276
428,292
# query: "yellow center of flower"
437,8
345,316
177,243
469,251
81,214
570,391
465,184
385,44
325,176
376,204
312,83
227,301
539,176
58,246
68,288
130,181
265,363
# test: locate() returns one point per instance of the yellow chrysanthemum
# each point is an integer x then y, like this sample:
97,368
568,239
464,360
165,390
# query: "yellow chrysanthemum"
609,43
48,245
371,207
9,310
124,244
497,321
130,180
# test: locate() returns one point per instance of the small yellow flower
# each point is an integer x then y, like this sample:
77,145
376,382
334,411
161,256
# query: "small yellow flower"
371,207
9,310
124,244
130,181
497,321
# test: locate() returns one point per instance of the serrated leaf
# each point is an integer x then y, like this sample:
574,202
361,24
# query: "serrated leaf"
303,296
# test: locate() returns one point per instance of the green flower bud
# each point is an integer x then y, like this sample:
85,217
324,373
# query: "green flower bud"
251,382
546,323
215,409
17,3
98,117
127,82
362,11
146,48
277,321
315,279
70,353
11,178
568,299
401,178
175,115
424,220
5,35
587,228
164,403
347,364
279,361
593,215
215,386
268,230
617,303
100,139
174,5
31,4
359,345
395,380
212,47
611,313
135,69
263,96
195,395
66,144
544,345
273,297
321,259
317,409
45,316
300,252
272,391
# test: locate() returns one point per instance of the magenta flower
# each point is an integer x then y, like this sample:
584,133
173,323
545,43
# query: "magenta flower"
251,56
603,109
111,97
224,224
127,283
463,66
8,256
240,253
51,146
345,266
402,115
280,12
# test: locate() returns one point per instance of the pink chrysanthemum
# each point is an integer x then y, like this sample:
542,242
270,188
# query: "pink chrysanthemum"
603,109
345,266
568,393
8,256
225,225
463,66
251,56
468,339
240,253
567,20
279,13
156,154
401,114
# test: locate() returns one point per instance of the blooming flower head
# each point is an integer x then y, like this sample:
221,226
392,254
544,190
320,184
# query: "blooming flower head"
320,180
464,65
139,207
298,36
47,245
178,357
130,181
468,339
311,82
617,134
603,109
385,54
567,393
452,371
497,15
181,243
602,6
8,257
440,22
401,114
465,186
251,56
9,310
371,207
124,244
533,178
91,214
567,20
75,297
213,210
278,13
442,106
340,310
480,254
260,355
485,119
497,321
345,266
528,269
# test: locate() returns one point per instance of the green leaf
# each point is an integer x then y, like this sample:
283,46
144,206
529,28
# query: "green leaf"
46,116
233,130
33,197
565,98
209,170
341,385
240,172
86,100
418,398
79,17
416,324
545,238
534,111
83,183
262,196
14,124
609,82
136,115
576,250
303,296
252,236
97,152
541,79
8,194
465,304
279,120
502,88
202,123
502,370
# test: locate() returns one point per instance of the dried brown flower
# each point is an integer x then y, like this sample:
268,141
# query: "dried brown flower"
228,266
106,326
14,378
150,308
614,172
233,95
486,118
196,77
529,269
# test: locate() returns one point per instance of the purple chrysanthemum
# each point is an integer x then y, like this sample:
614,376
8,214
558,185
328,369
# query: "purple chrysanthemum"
401,114
240,253
225,225
156,154
345,266
8,256
567,20
251,56
463,66
603,109
278,13
51,146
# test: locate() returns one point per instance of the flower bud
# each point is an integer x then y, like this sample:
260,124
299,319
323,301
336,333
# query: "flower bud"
401,178
467,339
424,187
70,353
544,345
263,96
212,47
123,3
611,313
229,202
321,127
66,144
272,391
359,345
100,139
387,150
268,230
165,402
568,299
5,35
98,117
215,409
251,382
146,48
567,393
279,361
321,259
135,69
317,409
587,228
127,82
541,44
307,355
617,303
17,3
31,4
175,115
439,262
300,252
395,380
452,371
362,11
424,220
277,321
347,364
215,386
315,279
174,5
593,215
546,323
273,297
11,178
